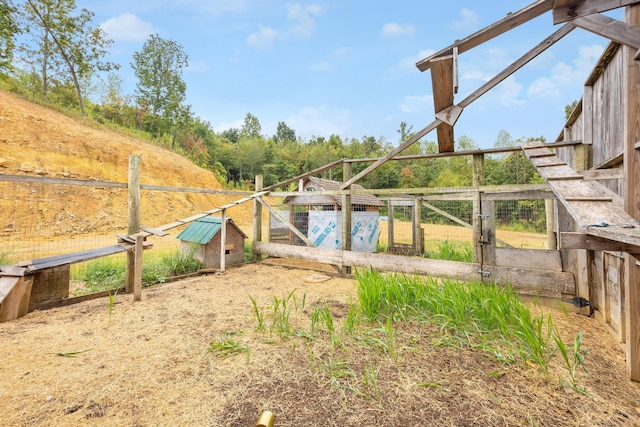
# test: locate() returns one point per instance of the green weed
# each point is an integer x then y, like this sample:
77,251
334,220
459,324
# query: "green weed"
225,346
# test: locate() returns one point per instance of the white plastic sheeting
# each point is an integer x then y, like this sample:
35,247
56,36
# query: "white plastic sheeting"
325,230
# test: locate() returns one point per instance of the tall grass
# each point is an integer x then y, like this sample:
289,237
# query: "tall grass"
108,273
446,250
483,316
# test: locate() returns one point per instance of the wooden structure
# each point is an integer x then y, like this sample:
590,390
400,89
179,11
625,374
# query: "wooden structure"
203,239
312,201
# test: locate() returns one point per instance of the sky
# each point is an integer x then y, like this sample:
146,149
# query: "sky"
348,67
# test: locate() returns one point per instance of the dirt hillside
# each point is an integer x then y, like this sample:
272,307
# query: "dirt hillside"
38,141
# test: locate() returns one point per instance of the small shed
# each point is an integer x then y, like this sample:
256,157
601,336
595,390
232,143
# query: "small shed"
319,217
202,238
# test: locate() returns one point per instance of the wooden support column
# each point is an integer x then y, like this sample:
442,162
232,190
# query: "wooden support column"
137,280
477,229
552,242
346,216
478,180
390,226
487,207
418,244
257,213
442,81
632,197
223,241
134,218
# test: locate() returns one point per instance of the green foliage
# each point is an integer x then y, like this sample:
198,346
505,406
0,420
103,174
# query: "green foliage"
160,90
109,272
64,44
450,251
479,315
224,346
8,30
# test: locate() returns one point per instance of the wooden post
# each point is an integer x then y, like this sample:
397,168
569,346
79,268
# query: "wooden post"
390,226
134,218
632,196
478,180
552,242
477,229
346,216
257,213
223,241
137,281
417,221
487,207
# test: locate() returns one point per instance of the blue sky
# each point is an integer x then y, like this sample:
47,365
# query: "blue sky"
348,67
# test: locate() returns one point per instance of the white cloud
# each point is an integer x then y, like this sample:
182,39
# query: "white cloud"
468,21
393,29
128,27
409,63
320,120
416,103
302,26
563,74
264,38
321,66
303,18
507,92
343,51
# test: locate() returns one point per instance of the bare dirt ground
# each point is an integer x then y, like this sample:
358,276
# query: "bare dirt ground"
146,364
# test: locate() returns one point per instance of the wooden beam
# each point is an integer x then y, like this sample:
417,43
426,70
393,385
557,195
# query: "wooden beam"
450,114
507,23
566,10
569,240
280,218
133,184
594,174
519,63
631,90
614,30
442,71
393,153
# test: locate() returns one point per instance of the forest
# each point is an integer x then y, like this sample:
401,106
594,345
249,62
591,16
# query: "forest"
52,53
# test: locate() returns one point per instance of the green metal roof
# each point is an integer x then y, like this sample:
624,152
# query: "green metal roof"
202,230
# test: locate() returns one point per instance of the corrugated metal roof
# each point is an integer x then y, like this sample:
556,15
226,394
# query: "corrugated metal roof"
202,230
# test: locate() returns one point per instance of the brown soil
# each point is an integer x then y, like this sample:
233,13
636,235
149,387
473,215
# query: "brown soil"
146,364
35,140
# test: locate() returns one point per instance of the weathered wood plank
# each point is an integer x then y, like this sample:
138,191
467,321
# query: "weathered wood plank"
577,240
529,281
154,231
12,270
539,259
511,21
442,84
547,161
632,178
566,10
519,63
614,30
14,289
595,174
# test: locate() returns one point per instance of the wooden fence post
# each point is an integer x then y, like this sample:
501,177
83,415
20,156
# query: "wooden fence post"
257,213
137,281
346,216
478,180
390,242
552,242
417,221
223,241
134,218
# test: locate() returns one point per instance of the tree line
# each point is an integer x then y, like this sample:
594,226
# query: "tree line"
53,53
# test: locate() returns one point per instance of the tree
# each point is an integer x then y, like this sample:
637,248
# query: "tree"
284,134
251,128
160,88
568,109
8,30
70,38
